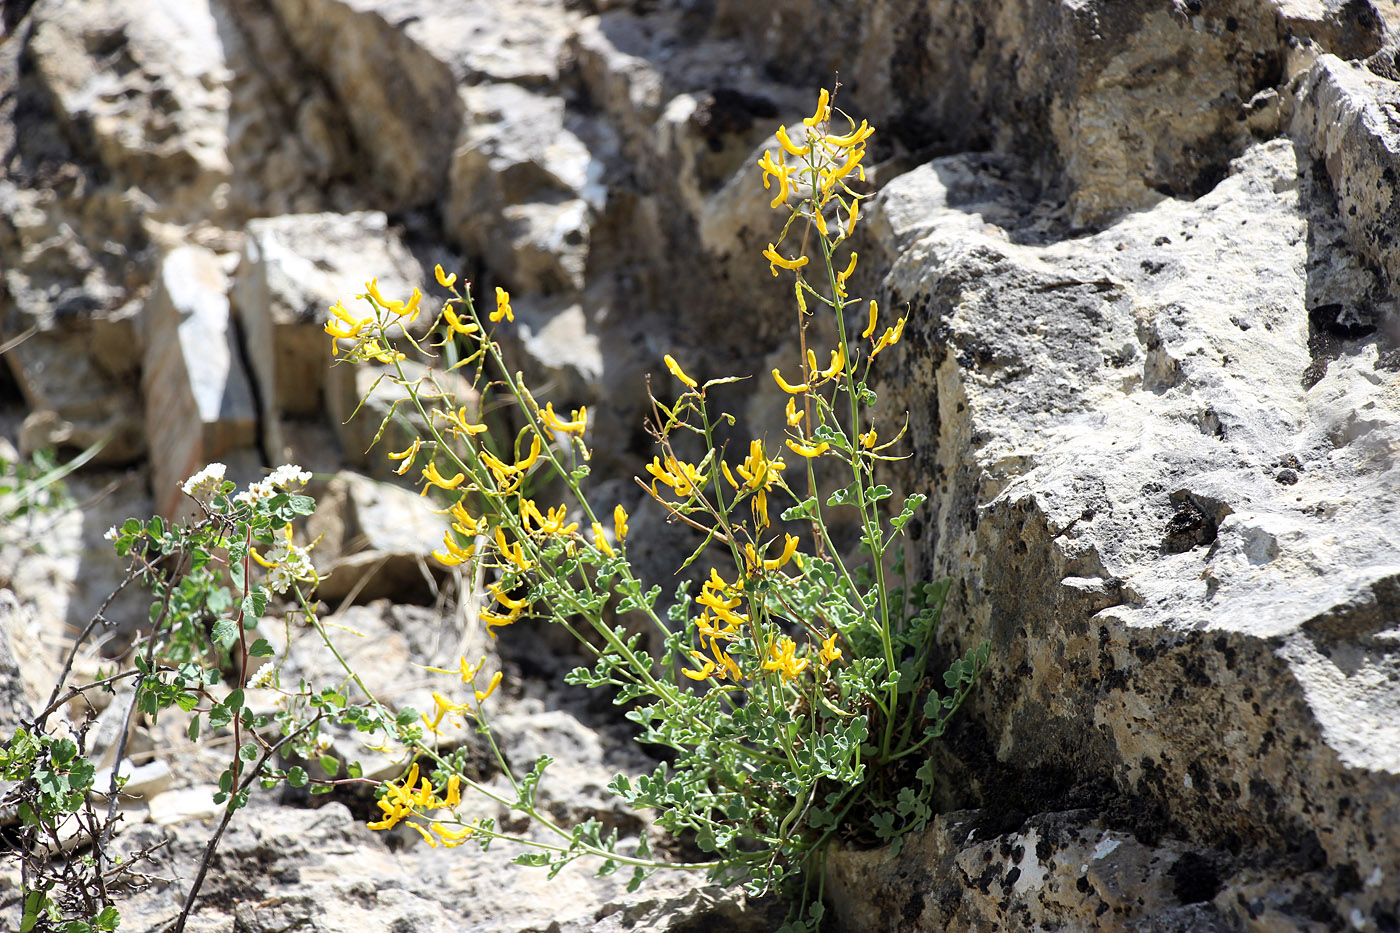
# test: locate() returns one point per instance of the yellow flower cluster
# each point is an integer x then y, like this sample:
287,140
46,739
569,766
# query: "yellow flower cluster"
718,623
415,796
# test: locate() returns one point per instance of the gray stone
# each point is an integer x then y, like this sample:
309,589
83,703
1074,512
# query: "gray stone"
199,402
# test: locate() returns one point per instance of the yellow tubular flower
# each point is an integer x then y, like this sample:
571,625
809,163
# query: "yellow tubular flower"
789,549
804,451
838,364
801,298
781,658
890,337
495,590
793,415
503,309
855,138
854,215
706,670
777,262
530,458
452,838
432,477
406,456
620,523
724,468
874,315
868,439
443,279
454,791
556,423
784,189
823,110
844,169
829,650
372,290
786,386
790,147
820,220
495,620
601,540
481,695
453,555
675,369
410,308
456,323
770,168
352,325
515,554
727,666
850,268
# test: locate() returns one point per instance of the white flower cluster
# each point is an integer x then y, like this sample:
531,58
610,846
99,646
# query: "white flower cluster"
287,476
205,481
293,563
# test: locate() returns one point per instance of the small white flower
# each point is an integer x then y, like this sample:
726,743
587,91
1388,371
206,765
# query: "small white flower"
264,676
287,475
111,534
205,481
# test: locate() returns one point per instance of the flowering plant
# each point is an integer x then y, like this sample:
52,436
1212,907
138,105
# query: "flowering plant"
790,692
791,688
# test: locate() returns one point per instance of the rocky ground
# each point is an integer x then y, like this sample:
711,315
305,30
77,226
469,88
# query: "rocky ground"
1152,371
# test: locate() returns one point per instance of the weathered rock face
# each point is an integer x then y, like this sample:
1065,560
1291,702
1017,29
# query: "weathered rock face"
1148,254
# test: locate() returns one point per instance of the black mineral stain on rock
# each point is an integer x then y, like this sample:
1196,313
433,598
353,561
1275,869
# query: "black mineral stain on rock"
1195,878
1188,528
725,111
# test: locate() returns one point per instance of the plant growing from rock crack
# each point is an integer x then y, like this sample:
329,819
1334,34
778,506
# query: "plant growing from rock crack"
792,685
790,691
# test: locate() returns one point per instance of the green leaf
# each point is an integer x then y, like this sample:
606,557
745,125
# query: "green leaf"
261,649
330,764
193,731
533,859
254,604
225,633
249,752
296,776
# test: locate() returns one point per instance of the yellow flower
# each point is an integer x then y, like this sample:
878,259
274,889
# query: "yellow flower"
513,553
778,170
451,838
868,439
503,309
820,219
682,477
352,325
620,523
793,415
601,540
837,366
855,138
443,279
760,474
481,695
453,555
874,314
456,323
777,563
406,456
804,451
786,386
801,298
776,261
495,620
454,791
676,371
707,667
432,477
854,215
829,650
495,590
372,291
410,308
889,338
555,423
823,110
781,658
841,277
790,147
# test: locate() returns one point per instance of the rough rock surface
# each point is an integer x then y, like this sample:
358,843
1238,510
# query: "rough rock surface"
1147,248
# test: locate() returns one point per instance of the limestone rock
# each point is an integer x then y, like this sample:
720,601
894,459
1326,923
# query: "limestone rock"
376,541
293,269
199,401
1171,520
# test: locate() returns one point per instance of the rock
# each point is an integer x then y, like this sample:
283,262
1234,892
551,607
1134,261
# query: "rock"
184,805
525,188
145,780
1091,396
405,113
199,403
378,541
1346,116
293,269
